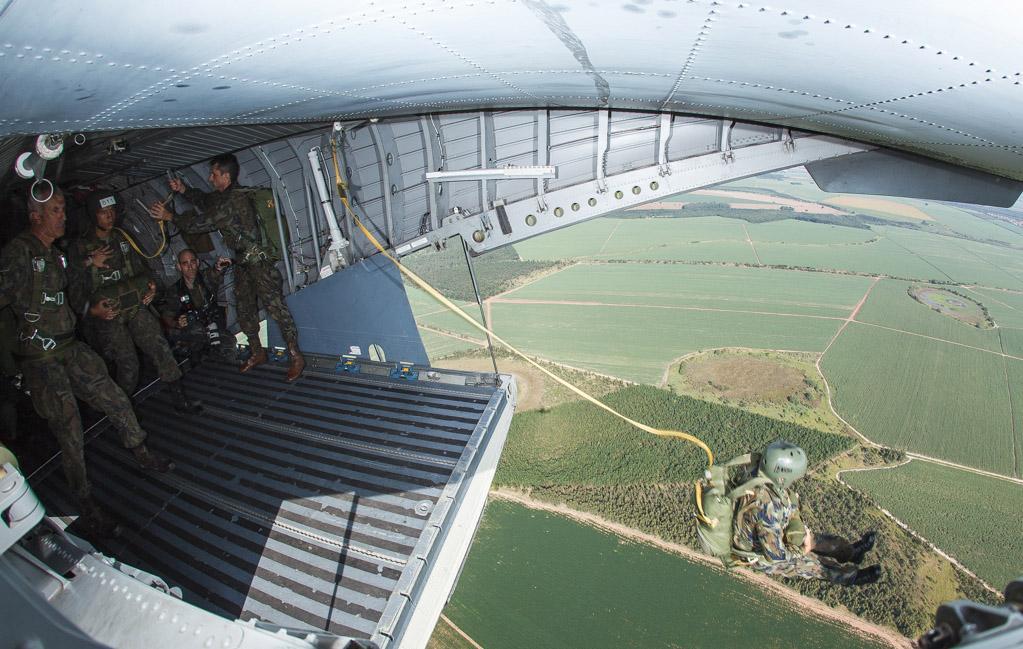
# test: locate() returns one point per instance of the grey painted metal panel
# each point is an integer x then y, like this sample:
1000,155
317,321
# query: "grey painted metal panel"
362,305
900,174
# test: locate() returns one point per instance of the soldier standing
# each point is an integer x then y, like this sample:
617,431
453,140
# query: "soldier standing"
56,367
230,210
769,532
112,286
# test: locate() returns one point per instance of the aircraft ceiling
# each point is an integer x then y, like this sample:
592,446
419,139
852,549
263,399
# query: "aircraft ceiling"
941,79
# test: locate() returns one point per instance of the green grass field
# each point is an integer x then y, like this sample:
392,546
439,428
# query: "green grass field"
923,395
974,518
890,305
538,580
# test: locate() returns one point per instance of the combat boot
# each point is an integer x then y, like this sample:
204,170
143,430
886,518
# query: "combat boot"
182,403
258,357
96,523
859,577
297,363
151,461
837,548
863,546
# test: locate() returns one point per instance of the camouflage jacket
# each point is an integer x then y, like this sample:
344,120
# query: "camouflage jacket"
233,214
177,298
767,523
124,279
32,281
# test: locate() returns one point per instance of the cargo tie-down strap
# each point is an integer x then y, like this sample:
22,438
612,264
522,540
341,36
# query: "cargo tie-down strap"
418,281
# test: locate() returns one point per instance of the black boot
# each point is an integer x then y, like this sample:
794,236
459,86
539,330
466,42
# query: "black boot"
859,577
181,401
150,461
863,546
835,547
96,523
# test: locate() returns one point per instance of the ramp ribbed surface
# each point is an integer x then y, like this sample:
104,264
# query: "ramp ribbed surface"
295,504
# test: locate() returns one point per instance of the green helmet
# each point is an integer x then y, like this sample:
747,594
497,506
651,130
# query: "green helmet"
783,462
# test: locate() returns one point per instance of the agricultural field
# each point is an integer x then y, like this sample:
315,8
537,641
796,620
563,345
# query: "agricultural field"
804,233
710,287
537,579
974,518
890,305
923,395
960,260
439,346
638,343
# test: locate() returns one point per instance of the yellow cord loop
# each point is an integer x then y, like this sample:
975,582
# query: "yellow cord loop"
159,251
343,194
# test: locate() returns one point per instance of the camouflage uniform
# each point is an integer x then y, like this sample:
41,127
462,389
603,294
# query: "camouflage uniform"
124,281
177,300
56,367
768,528
256,276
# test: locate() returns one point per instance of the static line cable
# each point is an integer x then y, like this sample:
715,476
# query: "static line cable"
483,315
163,233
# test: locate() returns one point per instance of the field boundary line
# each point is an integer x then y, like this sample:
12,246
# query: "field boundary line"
850,318
895,519
459,631
963,467
813,607
756,255
986,296
940,340
449,334
606,241
539,276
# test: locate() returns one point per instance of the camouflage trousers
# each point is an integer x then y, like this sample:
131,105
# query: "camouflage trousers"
804,566
118,338
55,380
256,283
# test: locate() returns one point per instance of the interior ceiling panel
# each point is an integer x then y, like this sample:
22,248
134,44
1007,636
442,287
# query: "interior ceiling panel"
869,71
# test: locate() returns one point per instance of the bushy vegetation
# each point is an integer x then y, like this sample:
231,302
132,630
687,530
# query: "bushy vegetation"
496,272
579,444
583,457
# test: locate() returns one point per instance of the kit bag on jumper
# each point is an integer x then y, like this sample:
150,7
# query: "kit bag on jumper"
263,202
717,492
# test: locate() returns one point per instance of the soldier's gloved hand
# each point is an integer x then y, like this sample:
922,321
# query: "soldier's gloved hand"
176,185
182,321
99,256
222,263
104,310
150,294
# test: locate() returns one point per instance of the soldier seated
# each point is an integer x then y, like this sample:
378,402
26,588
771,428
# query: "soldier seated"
56,367
112,286
769,533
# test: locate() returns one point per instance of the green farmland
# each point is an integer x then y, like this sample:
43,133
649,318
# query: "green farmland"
890,305
924,395
536,579
974,518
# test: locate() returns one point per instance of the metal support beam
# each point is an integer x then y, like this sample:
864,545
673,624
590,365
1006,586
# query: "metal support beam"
429,142
385,183
580,202
663,135
543,155
603,135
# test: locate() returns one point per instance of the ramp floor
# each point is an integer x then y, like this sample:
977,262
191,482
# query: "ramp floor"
299,505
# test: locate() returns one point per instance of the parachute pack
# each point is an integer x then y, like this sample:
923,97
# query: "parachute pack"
719,490
262,199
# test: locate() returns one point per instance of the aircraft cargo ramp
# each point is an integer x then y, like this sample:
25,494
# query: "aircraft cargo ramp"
342,503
